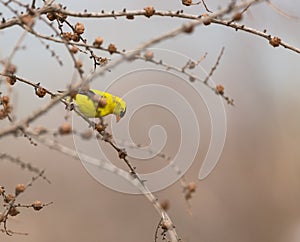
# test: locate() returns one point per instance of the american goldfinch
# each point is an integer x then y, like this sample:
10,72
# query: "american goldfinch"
95,104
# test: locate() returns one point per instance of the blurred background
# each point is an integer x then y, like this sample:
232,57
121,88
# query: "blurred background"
252,194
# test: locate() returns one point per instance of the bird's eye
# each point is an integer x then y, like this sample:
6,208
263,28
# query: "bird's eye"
122,113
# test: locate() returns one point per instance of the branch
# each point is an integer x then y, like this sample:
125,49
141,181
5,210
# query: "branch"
127,56
121,173
255,32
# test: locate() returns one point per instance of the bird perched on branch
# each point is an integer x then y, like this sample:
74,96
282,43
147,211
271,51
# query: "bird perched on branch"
95,104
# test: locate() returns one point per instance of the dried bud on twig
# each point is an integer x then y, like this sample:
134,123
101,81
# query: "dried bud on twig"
79,28
148,55
75,37
74,49
275,41
220,89
149,11
11,80
40,92
112,48
5,100
19,189
37,205
98,41
187,2
8,198
67,35
78,64
237,16
191,187
65,128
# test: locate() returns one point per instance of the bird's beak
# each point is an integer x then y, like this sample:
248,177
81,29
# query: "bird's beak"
118,117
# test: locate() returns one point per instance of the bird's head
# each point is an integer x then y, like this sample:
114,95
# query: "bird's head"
120,108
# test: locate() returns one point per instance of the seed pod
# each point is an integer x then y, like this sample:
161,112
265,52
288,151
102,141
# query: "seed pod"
40,92
112,48
148,55
98,41
220,89
187,2
5,100
79,28
37,205
8,198
237,16
65,128
275,41
67,35
149,11
191,187
75,37
74,49
78,64
11,80
19,189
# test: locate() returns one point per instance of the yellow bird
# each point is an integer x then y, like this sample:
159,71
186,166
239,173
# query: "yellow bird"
95,104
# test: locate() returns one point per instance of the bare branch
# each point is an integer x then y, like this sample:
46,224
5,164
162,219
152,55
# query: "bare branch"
121,173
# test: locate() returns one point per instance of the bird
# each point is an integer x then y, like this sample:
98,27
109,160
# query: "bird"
93,103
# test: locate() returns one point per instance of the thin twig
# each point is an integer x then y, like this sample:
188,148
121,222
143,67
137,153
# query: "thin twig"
278,10
214,66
